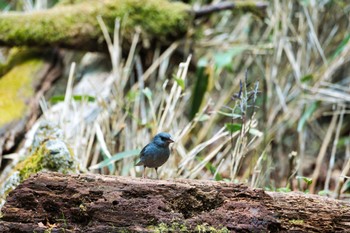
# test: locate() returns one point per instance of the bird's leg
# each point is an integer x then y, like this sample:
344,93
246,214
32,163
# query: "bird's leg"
144,172
157,172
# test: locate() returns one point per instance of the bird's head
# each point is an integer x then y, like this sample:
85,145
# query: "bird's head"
163,139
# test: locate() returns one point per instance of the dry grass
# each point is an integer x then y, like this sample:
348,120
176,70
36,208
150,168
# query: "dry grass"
297,124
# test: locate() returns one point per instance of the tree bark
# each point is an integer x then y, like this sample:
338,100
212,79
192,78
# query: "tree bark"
96,203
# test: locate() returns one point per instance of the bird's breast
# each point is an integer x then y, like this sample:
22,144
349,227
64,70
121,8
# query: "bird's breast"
157,157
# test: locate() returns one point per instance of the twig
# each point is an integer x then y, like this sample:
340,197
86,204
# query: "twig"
322,152
257,8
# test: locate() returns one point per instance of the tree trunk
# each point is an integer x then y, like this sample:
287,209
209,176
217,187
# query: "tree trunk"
96,203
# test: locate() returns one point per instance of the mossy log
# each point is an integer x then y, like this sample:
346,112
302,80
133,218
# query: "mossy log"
76,26
52,202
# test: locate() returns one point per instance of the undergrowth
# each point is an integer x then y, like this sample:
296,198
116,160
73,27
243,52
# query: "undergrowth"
260,101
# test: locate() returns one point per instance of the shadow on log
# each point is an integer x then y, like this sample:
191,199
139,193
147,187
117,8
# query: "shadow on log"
96,203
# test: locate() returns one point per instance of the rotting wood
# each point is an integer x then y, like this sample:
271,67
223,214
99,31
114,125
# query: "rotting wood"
96,203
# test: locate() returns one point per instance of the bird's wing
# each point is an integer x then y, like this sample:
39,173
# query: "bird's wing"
142,154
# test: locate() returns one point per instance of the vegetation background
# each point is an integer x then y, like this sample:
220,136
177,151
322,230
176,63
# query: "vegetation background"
262,100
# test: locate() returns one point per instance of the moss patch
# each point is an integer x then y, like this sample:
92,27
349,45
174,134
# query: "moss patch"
177,227
16,89
31,165
296,221
52,155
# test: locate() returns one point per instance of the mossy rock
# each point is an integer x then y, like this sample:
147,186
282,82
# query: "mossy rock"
52,155
49,153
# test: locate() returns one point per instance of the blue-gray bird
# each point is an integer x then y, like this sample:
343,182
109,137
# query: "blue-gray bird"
156,153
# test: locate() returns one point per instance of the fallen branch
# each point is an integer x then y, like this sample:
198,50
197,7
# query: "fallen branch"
76,27
255,7
96,203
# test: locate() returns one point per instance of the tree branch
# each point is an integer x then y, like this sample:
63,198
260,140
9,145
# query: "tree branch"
257,8
76,27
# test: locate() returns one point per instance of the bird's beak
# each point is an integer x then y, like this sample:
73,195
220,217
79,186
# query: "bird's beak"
170,140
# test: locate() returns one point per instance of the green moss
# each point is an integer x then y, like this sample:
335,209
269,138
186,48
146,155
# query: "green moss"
52,155
16,88
296,221
32,164
76,25
174,227
82,208
204,228
177,227
163,18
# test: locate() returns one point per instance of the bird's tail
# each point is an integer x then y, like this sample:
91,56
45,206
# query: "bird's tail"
139,163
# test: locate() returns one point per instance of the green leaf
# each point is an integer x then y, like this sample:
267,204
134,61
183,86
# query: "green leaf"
60,98
307,78
343,141
209,166
224,59
57,98
111,166
203,117
180,82
148,93
305,2
255,132
212,170
116,157
229,114
284,190
202,62
233,127
307,114
341,46
324,192
307,180
131,95
199,89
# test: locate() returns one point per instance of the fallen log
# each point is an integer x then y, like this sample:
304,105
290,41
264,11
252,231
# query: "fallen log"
96,203
75,26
